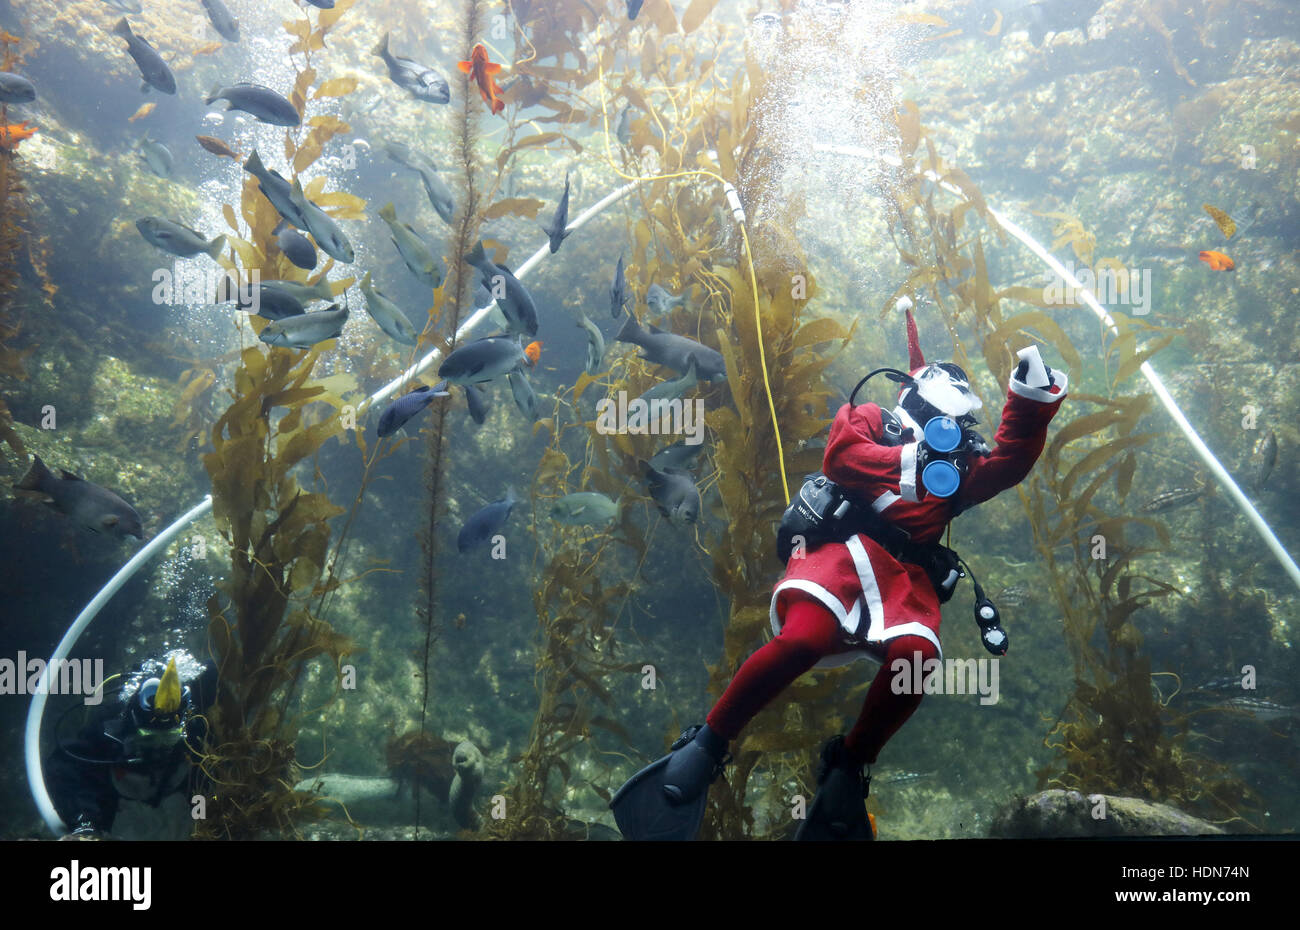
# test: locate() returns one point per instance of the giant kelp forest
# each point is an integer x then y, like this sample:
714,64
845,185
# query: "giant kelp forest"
590,648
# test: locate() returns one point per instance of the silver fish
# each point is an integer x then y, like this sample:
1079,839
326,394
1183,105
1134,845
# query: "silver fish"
387,314
675,494
152,68
584,508
673,351
1261,709
525,396
1172,500
98,509
303,332
322,228
260,102
157,156
1265,459
414,250
177,239
660,301
595,345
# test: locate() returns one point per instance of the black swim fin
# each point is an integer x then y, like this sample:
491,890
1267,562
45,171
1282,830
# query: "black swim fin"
658,806
838,812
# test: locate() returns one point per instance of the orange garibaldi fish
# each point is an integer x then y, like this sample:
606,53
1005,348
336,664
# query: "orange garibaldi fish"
481,70
14,133
1218,261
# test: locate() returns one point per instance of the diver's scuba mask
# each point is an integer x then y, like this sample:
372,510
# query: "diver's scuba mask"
156,717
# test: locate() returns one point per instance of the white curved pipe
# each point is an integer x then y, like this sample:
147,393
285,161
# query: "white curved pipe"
1157,385
35,713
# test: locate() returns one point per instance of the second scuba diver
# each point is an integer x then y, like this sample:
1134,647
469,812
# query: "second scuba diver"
865,576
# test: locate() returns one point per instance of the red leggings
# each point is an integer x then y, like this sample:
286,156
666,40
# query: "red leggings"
811,633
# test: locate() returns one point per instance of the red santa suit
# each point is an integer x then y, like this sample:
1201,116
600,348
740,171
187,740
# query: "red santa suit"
875,597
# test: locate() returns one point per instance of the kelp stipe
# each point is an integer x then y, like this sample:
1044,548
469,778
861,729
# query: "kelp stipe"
262,631
1115,735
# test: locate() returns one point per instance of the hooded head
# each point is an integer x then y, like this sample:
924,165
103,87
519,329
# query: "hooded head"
939,388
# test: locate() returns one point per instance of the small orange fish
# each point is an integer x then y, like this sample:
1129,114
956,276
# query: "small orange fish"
216,146
14,133
1218,261
142,112
534,351
481,70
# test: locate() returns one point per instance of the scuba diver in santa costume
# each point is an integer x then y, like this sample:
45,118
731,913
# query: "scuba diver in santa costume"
865,576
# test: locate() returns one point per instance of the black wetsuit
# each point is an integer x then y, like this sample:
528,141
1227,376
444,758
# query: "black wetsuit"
86,793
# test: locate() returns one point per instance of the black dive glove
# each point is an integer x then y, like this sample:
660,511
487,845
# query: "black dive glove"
1022,372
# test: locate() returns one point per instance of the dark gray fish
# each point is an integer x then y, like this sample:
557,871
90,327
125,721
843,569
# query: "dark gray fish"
400,411
222,21
618,290
260,102
98,509
482,360
675,352
675,494
275,300
485,523
435,188
1265,459
152,68
321,226
125,6
14,88
322,4
479,401
623,125
303,332
422,81
673,389
513,298
633,8
680,456
177,239
556,230
276,189
1172,500
525,396
295,246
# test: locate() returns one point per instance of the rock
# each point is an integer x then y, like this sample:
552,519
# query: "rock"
1068,813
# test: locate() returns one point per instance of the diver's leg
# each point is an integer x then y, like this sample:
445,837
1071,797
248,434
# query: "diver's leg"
810,633
883,711
838,811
